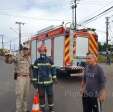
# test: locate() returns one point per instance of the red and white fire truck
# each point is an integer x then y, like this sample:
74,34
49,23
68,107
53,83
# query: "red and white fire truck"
66,48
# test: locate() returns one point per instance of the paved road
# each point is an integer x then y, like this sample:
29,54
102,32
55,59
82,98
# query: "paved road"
7,100
7,88
67,97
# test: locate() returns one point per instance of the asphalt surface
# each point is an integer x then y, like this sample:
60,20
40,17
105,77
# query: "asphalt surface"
7,87
66,91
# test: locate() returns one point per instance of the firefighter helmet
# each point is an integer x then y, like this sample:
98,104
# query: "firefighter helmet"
42,48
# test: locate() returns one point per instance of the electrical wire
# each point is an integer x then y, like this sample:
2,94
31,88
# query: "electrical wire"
101,31
98,15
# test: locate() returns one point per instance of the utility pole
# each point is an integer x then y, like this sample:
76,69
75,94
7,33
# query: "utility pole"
20,23
75,14
2,40
74,20
10,45
107,32
107,35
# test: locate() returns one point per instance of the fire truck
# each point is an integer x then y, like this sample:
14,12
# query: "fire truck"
66,48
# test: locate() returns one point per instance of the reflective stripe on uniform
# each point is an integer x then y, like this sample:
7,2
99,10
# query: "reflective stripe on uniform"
43,64
51,105
46,82
42,105
35,107
53,66
35,67
34,79
54,77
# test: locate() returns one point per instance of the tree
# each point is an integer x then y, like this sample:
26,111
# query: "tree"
1,52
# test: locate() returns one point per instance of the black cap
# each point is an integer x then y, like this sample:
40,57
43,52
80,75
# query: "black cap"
25,48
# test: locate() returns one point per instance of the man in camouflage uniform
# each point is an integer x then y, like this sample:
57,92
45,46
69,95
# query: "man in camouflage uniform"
22,65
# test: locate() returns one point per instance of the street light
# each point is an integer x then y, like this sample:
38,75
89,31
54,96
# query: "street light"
20,45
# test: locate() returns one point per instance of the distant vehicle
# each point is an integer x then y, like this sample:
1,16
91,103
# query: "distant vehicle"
102,53
66,48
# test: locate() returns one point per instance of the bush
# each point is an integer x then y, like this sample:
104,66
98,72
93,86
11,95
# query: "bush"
101,58
1,52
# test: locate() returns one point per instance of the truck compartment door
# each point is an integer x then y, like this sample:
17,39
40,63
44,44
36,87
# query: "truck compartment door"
59,51
81,46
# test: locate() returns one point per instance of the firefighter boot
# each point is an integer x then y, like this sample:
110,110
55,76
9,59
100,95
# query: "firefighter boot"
43,109
51,109
50,101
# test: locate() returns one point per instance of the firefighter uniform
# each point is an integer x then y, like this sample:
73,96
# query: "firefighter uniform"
44,74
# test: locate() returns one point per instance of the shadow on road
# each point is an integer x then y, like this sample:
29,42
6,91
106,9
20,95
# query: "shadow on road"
70,80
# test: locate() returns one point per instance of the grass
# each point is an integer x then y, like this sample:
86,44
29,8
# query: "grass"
102,58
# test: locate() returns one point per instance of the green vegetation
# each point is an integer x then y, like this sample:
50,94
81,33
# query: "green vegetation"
102,50
103,47
103,58
2,52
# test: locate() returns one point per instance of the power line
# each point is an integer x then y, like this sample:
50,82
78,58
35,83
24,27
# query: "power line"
13,30
101,31
99,10
98,15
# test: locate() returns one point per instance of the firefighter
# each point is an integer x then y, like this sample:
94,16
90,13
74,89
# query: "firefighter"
44,74
22,63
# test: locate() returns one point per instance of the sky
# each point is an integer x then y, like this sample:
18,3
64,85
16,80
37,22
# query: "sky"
38,14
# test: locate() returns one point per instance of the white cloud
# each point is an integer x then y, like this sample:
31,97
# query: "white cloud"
38,14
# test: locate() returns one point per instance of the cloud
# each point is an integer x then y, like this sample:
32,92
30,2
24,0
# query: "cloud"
53,5
47,4
12,4
38,14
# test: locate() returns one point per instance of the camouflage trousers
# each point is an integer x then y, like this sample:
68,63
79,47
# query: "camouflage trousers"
22,91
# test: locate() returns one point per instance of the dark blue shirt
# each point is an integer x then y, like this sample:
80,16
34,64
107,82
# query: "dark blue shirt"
94,79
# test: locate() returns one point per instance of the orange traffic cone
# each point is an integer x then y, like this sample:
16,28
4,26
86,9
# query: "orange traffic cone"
35,107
